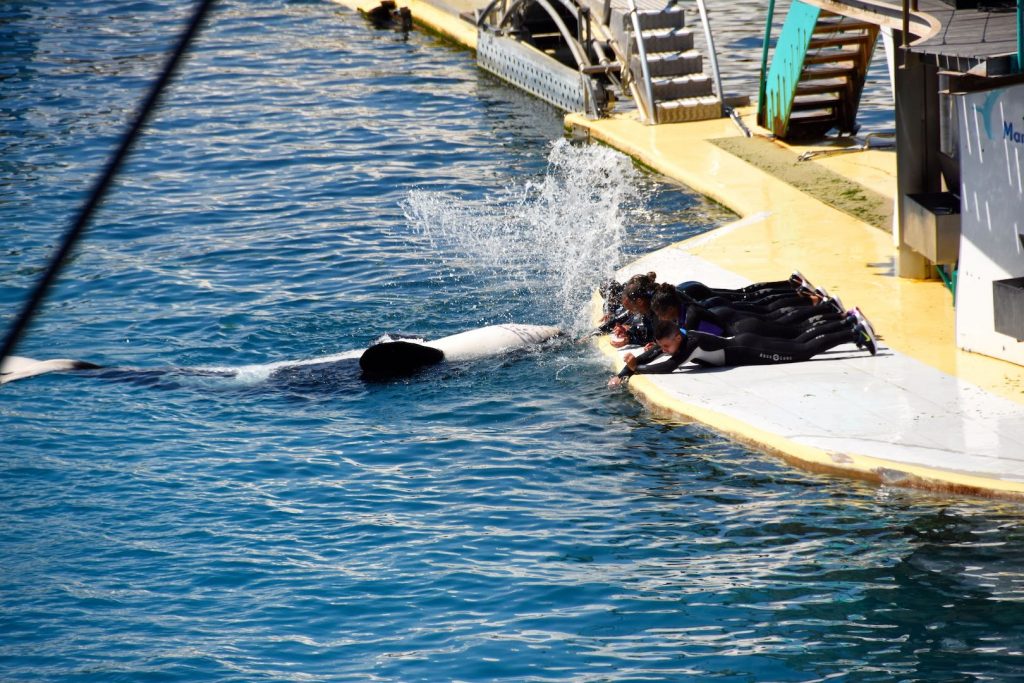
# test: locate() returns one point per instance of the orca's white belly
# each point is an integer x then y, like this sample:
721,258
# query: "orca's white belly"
491,341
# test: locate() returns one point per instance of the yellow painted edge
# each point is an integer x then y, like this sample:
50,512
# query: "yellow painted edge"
857,466
427,16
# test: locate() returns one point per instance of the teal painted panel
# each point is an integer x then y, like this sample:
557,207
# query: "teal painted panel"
787,63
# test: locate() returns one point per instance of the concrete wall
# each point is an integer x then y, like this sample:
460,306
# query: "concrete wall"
992,214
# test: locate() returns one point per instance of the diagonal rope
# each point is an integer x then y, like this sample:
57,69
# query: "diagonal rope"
102,185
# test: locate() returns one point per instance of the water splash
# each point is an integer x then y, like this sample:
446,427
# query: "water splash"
549,241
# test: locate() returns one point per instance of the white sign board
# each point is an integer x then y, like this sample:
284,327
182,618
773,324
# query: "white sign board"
992,215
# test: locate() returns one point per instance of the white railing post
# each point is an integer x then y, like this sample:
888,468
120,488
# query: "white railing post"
712,55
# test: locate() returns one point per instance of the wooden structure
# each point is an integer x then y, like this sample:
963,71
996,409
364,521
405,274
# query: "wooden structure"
817,73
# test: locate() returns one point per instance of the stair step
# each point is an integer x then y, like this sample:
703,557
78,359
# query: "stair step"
665,40
670,17
670,63
689,109
812,104
842,26
822,73
840,41
831,56
815,120
812,126
681,87
836,85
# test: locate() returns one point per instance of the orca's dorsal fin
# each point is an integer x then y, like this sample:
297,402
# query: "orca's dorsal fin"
398,358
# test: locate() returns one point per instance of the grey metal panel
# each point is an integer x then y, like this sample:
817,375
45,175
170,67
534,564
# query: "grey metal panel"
931,225
533,71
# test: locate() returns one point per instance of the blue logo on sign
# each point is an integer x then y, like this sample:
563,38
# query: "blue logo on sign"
1010,134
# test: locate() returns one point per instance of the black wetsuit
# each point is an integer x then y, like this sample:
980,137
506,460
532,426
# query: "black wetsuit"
641,330
744,349
754,299
766,304
698,290
727,322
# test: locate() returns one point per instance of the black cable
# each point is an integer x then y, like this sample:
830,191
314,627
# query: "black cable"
99,190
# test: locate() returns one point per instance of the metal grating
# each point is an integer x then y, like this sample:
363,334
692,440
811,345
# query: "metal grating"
533,71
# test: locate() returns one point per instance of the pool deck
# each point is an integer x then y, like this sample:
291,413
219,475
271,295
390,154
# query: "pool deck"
921,413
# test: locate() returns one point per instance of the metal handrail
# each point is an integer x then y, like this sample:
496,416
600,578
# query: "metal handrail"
764,59
652,112
1020,36
711,54
481,15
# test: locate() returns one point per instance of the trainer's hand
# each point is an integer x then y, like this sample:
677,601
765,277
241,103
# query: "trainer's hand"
620,337
616,381
630,360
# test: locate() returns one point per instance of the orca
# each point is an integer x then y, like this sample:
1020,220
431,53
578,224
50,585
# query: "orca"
389,356
396,357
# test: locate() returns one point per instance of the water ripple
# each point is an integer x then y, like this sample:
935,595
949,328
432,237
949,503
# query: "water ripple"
507,519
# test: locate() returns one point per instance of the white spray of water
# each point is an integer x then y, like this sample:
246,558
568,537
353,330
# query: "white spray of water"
553,240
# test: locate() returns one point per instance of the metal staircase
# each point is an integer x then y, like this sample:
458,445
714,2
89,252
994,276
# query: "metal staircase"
817,74
665,69
586,55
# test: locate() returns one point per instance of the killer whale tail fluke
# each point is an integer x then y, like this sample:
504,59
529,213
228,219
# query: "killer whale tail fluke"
20,367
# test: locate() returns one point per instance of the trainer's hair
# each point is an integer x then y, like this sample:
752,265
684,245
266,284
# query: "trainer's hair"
641,286
666,298
666,328
611,291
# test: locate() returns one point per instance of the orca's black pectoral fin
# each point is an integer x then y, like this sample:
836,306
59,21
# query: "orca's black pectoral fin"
398,358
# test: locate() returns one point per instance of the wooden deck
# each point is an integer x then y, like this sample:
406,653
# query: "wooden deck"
963,40
970,38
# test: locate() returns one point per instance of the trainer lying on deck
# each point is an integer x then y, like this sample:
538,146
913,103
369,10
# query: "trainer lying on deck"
676,346
764,299
669,303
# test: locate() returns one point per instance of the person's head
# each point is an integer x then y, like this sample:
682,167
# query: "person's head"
636,295
666,302
668,336
610,290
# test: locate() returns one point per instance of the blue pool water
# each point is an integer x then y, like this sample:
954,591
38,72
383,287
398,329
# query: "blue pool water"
309,183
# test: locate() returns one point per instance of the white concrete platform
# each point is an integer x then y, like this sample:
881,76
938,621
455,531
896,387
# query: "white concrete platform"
888,418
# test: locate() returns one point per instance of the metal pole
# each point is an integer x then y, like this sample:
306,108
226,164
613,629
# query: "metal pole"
652,112
906,23
106,178
711,53
1020,36
764,58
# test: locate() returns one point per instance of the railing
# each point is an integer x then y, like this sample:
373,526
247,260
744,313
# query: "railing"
712,54
1020,36
764,56
652,111
908,7
482,16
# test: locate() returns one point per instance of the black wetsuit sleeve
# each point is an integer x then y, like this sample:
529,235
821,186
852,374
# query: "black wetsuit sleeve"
645,357
673,362
641,331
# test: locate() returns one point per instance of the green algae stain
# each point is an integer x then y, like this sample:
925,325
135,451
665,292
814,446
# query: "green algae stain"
843,194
